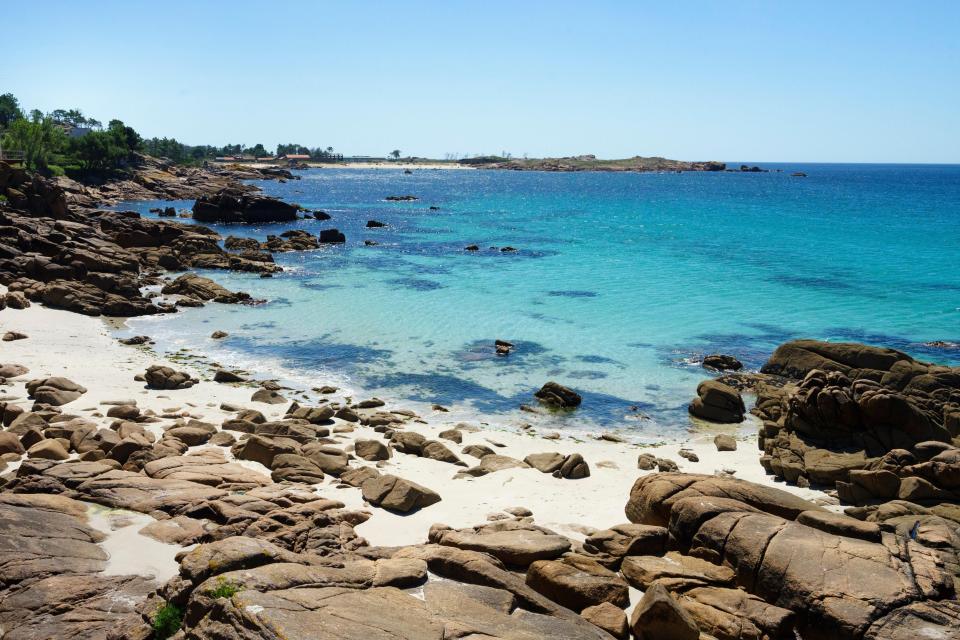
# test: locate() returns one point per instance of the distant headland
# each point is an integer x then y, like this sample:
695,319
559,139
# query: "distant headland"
592,163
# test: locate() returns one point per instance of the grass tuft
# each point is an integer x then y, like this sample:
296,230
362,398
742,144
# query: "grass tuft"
224,589
167,621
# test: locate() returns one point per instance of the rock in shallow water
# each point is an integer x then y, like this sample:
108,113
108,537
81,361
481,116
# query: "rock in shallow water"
722,362
231,206
558,396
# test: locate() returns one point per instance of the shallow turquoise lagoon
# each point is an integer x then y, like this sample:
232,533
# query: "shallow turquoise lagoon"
619,285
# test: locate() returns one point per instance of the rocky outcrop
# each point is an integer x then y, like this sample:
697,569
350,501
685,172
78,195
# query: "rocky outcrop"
61,251
193,286
872,422
793,571
290,240
232,206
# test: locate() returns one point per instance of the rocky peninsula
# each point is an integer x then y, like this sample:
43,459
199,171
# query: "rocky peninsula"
637,164
147,497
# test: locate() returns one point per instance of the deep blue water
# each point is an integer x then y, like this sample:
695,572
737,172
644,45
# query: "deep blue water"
619,284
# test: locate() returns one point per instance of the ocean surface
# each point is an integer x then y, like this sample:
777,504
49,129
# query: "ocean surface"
619,284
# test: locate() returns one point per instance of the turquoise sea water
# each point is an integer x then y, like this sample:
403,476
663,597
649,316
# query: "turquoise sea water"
620,283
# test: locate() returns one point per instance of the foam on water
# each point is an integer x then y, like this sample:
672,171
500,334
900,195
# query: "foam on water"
619,285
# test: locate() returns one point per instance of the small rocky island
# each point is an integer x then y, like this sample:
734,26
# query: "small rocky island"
588,162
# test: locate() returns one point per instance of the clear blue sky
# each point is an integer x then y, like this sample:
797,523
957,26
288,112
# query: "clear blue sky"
846,81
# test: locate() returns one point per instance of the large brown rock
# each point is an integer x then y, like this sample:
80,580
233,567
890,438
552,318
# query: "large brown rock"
49,449
231,554
717,402
610,618
264,450
291,467
55,390
396,494
201,288
797,358
10,443
371,450
732,614
627,540
163,377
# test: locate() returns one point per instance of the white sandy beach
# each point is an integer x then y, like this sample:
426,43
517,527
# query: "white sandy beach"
82,349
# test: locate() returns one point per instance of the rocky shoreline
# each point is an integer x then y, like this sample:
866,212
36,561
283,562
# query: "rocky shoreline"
59,248
270,513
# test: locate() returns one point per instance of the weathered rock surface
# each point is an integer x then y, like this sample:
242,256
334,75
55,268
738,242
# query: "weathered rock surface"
830,580
50,580
517,544
200,288
577,582
209,467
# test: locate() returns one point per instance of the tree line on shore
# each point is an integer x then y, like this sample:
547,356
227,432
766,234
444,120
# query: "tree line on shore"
66,142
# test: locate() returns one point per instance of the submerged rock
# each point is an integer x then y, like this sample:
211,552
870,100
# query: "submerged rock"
722,362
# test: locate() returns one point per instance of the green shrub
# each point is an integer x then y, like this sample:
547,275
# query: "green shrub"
56,170
224,589
167,620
